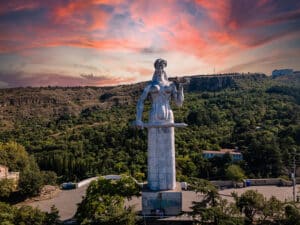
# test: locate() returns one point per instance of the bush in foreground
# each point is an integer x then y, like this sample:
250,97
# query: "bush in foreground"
104,202
26,215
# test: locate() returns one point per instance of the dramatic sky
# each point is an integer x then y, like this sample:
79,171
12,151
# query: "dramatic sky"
106,42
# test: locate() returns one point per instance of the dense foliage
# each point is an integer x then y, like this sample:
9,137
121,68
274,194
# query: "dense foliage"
259,117
16,158
104,202
249,208
26,215
235,173
6,188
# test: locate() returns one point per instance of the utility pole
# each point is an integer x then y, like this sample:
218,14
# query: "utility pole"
294,178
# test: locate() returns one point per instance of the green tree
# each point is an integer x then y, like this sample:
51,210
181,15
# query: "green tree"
6,187
235,173
263,154
7,214
273,211
292,214
26,215
31,182
14,156
212,209
251,203
52,218
110,210
49,177
104,202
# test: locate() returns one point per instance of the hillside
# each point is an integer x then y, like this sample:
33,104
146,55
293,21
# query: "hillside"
83,131
51,102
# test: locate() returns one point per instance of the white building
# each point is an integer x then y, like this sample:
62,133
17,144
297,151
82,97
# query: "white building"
5,174
236,156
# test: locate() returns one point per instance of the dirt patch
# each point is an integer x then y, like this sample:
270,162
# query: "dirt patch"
47,192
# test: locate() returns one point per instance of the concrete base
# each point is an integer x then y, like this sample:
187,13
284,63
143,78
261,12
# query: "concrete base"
161,159
162,203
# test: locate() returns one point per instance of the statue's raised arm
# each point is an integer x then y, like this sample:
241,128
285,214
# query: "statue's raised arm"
177,94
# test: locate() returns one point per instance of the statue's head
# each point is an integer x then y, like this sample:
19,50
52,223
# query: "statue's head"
159,73
160,64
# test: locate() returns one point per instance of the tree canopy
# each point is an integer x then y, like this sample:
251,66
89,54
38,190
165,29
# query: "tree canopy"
104,202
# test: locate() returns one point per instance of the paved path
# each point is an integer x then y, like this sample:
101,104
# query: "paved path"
282,193
67,200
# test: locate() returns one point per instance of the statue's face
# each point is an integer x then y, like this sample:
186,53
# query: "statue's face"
159,65
160,71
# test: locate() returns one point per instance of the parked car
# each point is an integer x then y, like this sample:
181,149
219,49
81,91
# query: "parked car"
68,186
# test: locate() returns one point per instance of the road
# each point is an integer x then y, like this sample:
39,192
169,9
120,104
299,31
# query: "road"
67,200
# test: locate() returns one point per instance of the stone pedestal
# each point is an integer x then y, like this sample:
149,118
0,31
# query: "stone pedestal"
162,203
161,155
161,159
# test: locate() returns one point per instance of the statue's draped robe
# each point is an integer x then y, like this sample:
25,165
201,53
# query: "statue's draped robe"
161,146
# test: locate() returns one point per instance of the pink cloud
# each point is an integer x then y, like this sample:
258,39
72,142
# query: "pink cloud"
72,23
75,12
219,11
243,25
210,31
176,30
155,14
225,38
187,40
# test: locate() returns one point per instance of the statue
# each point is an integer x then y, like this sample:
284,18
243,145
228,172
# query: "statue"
161,146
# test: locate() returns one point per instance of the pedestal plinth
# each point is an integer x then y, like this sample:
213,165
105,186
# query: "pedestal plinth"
162,203
161,155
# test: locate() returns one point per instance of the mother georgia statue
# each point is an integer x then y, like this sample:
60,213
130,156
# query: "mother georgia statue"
161,147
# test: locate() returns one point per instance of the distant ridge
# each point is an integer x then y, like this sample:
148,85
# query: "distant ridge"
49,102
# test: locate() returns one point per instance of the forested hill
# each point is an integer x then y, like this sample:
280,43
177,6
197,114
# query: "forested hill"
82,131
50,102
